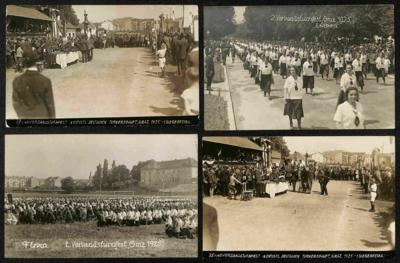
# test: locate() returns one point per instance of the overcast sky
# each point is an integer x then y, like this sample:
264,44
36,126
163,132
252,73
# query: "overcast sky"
99,13
76,155
313,144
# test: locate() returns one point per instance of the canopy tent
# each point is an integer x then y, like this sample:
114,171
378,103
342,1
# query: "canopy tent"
241,142
25,12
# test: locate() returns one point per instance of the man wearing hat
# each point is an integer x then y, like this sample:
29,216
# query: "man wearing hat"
32,92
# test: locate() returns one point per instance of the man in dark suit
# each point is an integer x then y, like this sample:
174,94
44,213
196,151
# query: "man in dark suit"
32,93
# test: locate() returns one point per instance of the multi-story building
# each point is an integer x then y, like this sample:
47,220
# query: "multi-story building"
165,174
15,182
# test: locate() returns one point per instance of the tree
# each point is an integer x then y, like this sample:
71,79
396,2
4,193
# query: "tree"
68,184
219,21
97,177
106,180
119,175
67,13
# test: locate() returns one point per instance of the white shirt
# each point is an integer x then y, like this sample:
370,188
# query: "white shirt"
308,69
282,59
347,80
338,62
313,57
379,63
346,115
356,65
161,53
296,62
323,59
266,69
363,58
347,57
289,90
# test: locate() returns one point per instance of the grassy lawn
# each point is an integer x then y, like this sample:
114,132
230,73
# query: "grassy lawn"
142,241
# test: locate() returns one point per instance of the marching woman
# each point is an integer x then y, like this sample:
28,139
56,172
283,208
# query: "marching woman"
282,65
324,65
308,75
349,114
346,81
357,66
293,95
338,67
161,58
253,65
266,77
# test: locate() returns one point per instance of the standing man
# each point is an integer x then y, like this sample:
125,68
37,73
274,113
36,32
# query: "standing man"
323,180
32,93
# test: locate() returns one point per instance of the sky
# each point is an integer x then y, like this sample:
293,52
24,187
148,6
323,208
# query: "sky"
64,155
99,13
239,11
312,144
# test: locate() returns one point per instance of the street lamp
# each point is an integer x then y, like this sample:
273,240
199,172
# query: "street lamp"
306,158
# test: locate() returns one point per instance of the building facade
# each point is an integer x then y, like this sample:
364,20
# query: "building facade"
165,174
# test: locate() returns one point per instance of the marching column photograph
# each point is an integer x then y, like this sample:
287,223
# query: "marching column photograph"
299,67
310,193
101,61
101,196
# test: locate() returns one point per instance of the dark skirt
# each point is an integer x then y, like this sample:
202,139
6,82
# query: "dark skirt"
308,82
266,81
246,65
322,69
336,73
360,78
283,69
315,67
253,71
294,109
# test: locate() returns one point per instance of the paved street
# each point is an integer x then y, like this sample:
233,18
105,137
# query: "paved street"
296,221
253,111
119,82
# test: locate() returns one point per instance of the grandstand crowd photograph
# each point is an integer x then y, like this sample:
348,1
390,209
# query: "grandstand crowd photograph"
88,61
299,67
101,196
310,193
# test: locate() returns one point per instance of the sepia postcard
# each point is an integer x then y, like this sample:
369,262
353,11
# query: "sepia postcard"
101,196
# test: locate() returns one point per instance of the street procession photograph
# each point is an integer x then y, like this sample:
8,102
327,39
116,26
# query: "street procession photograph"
101,196
101,61
297,67
299,194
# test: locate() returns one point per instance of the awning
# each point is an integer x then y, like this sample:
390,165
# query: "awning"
241,142
13,10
